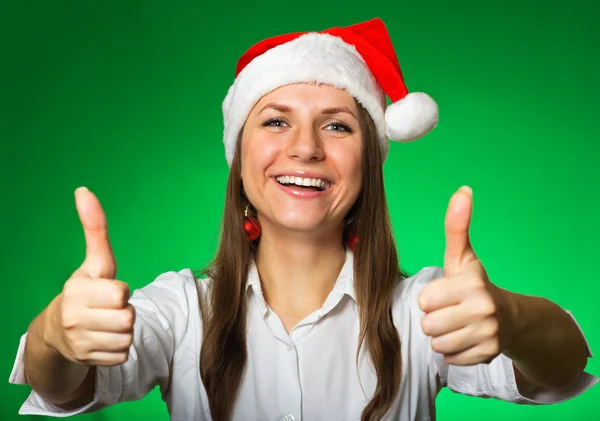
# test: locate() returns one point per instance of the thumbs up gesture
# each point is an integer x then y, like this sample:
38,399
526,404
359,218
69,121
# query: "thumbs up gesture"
90,322
466,315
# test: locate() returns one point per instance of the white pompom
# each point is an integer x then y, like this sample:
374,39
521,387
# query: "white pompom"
411,118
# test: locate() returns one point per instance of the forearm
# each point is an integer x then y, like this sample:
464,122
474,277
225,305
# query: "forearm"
545,343
56,379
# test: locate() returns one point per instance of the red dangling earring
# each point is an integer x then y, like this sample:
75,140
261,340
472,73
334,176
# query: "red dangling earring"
251,226
352,241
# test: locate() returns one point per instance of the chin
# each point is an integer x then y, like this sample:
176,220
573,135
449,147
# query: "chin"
296,223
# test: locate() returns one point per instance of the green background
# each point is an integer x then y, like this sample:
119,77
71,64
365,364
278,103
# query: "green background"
125,97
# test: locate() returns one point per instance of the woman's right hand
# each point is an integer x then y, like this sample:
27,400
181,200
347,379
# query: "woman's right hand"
90,322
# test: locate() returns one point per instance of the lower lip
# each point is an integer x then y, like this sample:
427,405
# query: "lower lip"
301,194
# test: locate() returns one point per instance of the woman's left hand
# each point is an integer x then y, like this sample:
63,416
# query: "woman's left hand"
467,317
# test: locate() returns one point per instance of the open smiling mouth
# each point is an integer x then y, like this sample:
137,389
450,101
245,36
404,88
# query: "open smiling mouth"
300,183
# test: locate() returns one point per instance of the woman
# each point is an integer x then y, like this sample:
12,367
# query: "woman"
304,313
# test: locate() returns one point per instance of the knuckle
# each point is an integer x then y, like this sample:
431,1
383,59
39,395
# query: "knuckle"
126,321
71,288
426,325
422,301
449,359
123,342
494,349
437,345
79,351
129,317
124,290
489,307
119,295
475,283
487,358
122,358
490,351
426,297
70,339
69,319
491,328
116,297
485,307
84,361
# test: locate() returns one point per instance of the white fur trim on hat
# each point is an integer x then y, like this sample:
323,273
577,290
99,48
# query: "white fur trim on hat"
312,57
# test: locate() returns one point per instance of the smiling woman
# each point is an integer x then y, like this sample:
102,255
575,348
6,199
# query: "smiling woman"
304,133
304,312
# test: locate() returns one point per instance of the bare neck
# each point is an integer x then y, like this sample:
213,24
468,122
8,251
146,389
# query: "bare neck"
297,273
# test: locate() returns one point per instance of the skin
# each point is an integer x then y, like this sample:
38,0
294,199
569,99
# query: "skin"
89,323
469,319
315,130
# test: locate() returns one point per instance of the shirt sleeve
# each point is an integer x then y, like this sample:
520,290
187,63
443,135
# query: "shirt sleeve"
497,379
161,319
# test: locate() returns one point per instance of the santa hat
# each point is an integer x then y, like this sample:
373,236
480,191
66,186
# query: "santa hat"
358,58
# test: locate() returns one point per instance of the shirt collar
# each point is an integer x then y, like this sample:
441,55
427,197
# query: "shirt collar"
345,280
343,285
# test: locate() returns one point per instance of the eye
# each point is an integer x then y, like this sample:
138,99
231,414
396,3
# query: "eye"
337,126
275,122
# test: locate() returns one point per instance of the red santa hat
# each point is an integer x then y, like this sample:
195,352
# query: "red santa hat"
358,58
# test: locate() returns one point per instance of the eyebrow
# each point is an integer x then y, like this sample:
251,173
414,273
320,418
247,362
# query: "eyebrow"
327,111
279,107
336,110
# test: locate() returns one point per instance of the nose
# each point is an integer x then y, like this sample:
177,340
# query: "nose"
305,145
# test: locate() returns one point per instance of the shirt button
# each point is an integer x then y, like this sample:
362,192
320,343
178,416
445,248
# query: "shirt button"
289,417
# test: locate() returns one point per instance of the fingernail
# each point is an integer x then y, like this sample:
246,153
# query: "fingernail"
467,189
80,190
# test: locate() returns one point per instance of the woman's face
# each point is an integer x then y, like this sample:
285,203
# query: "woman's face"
303,134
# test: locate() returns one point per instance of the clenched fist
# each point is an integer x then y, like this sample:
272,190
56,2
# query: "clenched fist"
466,315
90,322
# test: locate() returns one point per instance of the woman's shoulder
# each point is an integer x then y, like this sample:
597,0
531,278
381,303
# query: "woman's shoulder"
173,293
408,289
412,285
407,316
172,300
170,283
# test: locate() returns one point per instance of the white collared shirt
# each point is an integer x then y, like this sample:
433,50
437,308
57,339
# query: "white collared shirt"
309,374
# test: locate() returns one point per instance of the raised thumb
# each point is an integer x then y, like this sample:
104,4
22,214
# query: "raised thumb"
458,220
100,260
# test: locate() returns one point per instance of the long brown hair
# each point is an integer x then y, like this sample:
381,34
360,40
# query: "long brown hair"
376,275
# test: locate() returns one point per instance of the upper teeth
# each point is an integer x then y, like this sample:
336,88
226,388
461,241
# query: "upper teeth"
299,181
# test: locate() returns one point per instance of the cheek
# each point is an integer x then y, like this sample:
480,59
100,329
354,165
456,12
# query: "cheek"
349,162
258,153
356,179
